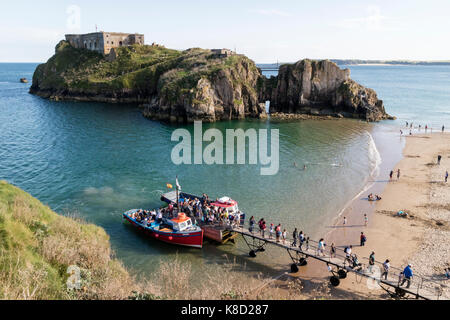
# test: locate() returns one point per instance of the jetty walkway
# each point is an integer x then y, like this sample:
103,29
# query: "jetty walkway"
339,266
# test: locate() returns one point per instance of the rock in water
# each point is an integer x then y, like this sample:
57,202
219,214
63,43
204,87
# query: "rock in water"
321,88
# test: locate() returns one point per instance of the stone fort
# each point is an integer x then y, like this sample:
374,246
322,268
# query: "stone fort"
103,42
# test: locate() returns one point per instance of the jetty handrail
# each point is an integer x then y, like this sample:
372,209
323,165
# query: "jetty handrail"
422,282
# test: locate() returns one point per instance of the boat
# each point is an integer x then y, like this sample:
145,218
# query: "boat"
218,233
24,80
178,230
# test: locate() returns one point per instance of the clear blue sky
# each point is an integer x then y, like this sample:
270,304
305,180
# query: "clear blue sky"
266,31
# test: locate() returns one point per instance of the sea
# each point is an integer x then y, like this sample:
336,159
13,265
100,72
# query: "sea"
97,160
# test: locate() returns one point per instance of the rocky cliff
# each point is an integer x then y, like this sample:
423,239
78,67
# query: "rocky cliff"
196,84
321,88
171,85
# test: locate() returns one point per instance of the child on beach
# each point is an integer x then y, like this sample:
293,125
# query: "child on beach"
363,239
345,221
366,220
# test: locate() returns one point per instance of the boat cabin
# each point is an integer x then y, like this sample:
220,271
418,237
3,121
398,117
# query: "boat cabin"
228,204
180,223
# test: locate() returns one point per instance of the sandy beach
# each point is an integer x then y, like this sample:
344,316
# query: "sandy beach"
421,239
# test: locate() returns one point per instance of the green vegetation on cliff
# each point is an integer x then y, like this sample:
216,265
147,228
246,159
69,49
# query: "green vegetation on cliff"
37,247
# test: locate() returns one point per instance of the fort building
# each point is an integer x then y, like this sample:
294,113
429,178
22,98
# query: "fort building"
103,42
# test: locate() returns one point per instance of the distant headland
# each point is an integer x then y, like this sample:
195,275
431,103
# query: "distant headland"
197,84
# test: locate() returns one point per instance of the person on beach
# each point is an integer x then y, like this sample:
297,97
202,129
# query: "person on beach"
447,273
391,175
401,132
294,236
345,221
439,159
304,167
371,262
284,236
408,275
407,124
363,239
398,174
446,176
332,251
410,132
443,129
386,267
321,247
366,220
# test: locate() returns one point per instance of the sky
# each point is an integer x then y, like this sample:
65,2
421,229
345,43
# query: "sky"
265,31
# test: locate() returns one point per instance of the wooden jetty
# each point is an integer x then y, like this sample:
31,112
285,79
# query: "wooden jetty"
420,288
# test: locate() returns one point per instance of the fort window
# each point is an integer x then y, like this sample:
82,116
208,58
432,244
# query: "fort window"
120,43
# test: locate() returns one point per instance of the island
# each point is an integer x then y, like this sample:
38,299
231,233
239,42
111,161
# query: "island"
197,84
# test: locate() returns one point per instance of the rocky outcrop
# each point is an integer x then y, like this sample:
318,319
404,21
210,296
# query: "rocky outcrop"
196,84
321,88
170,85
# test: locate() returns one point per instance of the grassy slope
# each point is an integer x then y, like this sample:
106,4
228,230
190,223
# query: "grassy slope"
37,246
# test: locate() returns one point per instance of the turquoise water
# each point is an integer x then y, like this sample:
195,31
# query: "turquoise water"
98,160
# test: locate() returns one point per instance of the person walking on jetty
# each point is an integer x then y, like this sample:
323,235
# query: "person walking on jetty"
263,229
271,230
307,243
407,275
284,236
366,219
332,251
321,248
301,238
398,174
386,267
278,232
252,224
371,262
363,239
294,236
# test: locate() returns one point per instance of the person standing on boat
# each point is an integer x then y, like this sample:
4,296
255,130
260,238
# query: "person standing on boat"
159,216
294,236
